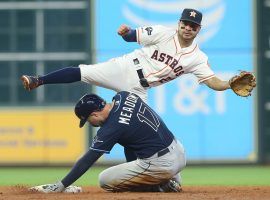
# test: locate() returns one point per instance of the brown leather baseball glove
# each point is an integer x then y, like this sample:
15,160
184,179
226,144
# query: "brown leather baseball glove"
243,84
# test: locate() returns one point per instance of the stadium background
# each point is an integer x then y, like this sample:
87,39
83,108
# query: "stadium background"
39,127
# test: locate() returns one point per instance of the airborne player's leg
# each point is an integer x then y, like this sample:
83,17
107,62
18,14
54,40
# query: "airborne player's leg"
64,75
111,75
115,75
108,74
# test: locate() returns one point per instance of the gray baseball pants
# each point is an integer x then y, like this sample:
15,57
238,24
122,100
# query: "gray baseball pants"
145,174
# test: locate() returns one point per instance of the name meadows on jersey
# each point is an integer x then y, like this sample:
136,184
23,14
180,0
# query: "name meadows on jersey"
127,110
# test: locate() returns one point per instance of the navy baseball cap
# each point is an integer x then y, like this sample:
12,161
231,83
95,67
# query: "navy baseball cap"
86,105
191,15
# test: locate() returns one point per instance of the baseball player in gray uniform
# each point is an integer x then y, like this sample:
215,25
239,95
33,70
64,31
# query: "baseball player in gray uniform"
157,156
166,54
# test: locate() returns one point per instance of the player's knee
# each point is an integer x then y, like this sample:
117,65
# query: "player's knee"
105,181
102,180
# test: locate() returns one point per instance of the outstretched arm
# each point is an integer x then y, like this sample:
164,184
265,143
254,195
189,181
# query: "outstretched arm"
81,166
127,33
217,84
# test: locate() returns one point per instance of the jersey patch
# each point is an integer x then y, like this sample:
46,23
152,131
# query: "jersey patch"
149,30
96,140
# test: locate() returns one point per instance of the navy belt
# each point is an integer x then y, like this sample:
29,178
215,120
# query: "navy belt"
143,80
163,152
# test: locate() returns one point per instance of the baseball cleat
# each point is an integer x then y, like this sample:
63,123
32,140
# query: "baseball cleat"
170,186
54,188
48,188
30,82
73,189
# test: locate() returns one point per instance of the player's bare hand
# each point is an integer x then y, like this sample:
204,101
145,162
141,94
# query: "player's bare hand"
123,30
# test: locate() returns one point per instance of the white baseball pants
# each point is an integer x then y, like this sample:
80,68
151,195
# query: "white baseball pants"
114,74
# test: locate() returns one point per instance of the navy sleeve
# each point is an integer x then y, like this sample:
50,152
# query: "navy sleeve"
130,36
81,166
107,136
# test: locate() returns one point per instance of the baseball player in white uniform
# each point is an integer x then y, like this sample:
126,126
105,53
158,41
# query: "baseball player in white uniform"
166,54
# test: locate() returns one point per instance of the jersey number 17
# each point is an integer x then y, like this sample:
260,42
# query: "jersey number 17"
146,115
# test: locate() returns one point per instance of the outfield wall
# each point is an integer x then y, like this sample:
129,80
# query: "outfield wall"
40,136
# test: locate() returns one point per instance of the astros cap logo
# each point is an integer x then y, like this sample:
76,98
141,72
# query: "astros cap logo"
193,14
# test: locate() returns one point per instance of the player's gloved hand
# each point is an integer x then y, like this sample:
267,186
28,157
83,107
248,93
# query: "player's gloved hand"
243,84
49,188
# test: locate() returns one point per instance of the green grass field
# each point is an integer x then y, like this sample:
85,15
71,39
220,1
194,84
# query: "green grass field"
191,175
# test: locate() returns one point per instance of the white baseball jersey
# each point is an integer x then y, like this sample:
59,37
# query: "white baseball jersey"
163,59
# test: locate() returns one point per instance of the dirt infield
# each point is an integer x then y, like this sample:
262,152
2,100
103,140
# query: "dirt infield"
189,192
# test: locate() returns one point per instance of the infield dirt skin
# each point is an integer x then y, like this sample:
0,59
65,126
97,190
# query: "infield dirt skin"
189,192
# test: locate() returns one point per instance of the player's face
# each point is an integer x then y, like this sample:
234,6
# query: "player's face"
188,30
